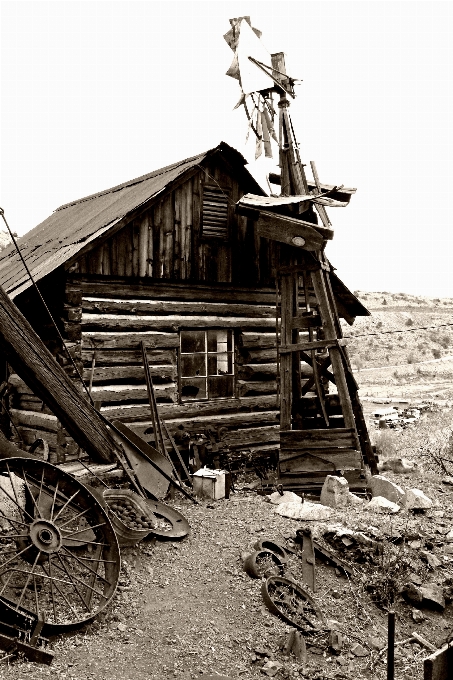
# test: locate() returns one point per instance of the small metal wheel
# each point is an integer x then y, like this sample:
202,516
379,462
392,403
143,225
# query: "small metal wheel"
170,524
272,546
293,604
59,555
263,563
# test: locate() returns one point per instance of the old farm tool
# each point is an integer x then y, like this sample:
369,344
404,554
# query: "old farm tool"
59,555
171,524
308,560
292,603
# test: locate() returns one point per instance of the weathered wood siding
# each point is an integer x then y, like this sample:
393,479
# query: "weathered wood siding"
166,241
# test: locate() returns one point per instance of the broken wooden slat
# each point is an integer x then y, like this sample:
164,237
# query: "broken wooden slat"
439,666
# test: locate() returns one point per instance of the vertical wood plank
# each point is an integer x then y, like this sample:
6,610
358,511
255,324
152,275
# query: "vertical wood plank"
182,230
168,225
128,249
150,259
158,242
197,252
143,246
135,251
187,255
286,360
177,231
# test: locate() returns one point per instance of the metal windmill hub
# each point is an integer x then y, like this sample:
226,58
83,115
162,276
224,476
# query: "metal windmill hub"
46,536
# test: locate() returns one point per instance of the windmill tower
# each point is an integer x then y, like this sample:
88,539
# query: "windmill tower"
320,432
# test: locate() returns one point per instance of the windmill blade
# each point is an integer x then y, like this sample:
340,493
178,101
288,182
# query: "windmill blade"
244,41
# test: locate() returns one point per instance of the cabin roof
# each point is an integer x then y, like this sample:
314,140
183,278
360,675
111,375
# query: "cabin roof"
74,225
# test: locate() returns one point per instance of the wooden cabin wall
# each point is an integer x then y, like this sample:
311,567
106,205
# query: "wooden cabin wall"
166,241
110,318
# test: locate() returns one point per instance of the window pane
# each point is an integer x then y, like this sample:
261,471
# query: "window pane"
192,341
193,388
220,364
220,386
219,341
193,364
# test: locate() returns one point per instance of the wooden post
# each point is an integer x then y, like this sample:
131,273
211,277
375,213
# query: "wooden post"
33,362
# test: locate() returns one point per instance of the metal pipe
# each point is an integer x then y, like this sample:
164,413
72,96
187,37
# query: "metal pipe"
391,646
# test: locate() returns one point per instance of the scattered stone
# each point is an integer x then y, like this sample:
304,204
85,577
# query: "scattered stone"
414,544
333,624
382,505
288,497
271,668
306,511
262,651
381,486
342,661
448,480
358,650
449,536
418,616
448,549
412,593
432,560
335,641
415,499
433,596
335,492
355,500
377,643
122,627
398,465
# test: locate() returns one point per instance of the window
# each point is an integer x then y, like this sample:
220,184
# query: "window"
207,364
215,212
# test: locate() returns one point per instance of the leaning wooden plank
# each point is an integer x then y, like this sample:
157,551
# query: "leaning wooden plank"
31,359
123,322
439,666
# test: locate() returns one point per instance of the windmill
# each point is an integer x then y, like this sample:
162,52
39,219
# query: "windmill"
320,433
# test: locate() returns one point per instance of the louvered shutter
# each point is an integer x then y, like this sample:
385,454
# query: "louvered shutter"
215,213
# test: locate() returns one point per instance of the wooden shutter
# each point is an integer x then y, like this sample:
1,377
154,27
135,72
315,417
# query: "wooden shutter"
215,212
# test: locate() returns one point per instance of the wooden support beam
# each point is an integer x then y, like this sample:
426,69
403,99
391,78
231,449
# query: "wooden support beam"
33,362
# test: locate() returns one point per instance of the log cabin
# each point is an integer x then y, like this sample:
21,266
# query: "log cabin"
165,259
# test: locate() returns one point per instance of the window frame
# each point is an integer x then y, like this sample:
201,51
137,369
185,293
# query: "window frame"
230,356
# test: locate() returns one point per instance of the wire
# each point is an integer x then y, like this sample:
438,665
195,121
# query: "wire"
403,330
2,214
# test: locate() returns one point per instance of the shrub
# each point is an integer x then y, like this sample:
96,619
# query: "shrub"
411,358
384,301
409,322
436,353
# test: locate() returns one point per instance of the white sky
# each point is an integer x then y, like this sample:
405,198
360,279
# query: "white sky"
96,93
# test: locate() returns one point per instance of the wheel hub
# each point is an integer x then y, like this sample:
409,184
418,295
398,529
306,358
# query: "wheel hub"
45,536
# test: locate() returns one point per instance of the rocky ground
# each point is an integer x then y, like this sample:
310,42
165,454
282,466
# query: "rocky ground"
184,609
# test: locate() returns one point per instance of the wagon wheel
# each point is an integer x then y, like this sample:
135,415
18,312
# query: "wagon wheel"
59,556
291,602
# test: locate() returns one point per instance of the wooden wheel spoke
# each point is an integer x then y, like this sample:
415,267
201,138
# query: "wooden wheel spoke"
30,574
65,505
24,477
68,553
16,554
80,531
16,502
55,581
71,577
71,519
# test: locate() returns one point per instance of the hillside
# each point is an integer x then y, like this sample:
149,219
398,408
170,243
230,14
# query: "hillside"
409,339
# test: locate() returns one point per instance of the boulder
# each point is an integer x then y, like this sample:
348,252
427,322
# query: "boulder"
287,497
355,501
449,536
307,511
432,560
418,616
412,594
381,486
433,596
415,499
335,492
358,650
382,505
398,465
